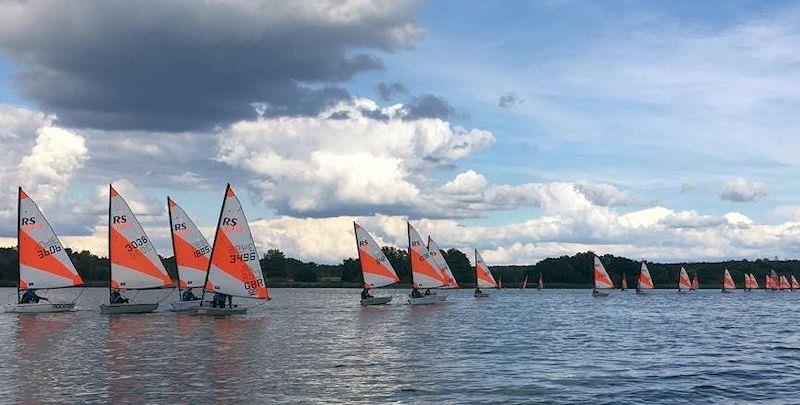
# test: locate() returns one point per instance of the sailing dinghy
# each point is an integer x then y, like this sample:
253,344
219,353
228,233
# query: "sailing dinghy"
645,281
695,283
375,267
684,285
233,268
748,283
43,262
624,283
192,254
444,268
483,276
540,285
524,283
425,271
602,281
135,265
785,284
727,282
753,281
794,285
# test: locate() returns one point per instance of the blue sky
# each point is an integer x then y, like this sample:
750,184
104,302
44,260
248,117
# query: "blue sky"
674,113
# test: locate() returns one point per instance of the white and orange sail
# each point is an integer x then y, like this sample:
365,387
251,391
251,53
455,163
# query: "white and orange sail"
753,281
234,268
773,280
524,283
695,282
684,284
784,283
727,281
375,266
134,261
794,283
425,271
601,278
191,249
748,282
483,275
447,273
624,282
540,284
43,262
768,284
645,281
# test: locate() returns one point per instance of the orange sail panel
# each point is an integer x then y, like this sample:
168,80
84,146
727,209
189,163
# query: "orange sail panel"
43,262
447,274
375,267
601,278
483,275
683,281
424,267
235,268
134,261
192,252
645,281
727,281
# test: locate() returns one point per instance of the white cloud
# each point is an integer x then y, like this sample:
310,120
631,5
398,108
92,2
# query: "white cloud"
742,190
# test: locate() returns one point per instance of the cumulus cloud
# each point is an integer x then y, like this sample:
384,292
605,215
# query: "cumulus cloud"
428,106
183,64
388,91
742,190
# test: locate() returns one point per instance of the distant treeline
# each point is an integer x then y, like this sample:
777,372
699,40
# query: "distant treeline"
565,271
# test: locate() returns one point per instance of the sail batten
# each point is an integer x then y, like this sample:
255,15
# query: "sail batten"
43,262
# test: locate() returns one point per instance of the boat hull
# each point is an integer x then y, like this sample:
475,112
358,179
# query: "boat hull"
41,308
182,306
424,300
481,295
641,292
376,301
725,292
209,311
114,309
442,298
599,294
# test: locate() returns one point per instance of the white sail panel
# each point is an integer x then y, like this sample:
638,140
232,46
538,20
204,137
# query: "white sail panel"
447,274
134,261
601,277
235,268
375,266
424,268
43,262
482,273
191,249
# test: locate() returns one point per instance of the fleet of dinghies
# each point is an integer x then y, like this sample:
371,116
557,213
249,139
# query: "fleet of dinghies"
229,267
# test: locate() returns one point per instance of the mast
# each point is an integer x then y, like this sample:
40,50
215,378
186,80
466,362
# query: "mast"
19,258
358,248
211,256
477,283
174,252
110,190
410,264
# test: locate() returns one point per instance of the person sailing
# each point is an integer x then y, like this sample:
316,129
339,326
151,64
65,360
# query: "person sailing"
188,295
415,293
117,298
478,291
30,297
365,294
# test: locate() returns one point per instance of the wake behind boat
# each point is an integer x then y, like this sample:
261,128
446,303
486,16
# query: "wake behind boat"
376,269
233,268
42,262
192,255
134,262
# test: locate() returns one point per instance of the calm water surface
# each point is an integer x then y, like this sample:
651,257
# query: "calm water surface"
319,345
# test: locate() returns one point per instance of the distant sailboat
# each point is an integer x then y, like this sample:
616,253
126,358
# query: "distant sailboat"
524,282
234,269
774,281
425,271
795,285
695,283
748,282
447,273
192,254
601,279
483,276
135,264
753,281
785,284
624,282
768,282
43,262
376,269
540,284
727,282
499,280
684,285
645,281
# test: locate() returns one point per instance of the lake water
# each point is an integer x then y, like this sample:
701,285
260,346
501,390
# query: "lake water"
319,345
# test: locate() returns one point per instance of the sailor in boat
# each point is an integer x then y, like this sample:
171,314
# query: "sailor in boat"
428,291
365,295
478,291
415,293
30,297
117,298
188,295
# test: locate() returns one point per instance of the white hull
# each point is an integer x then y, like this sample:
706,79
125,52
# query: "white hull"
112,309
424,300
216,311
182,306
481,295
376,301
684,291
41,308
596,293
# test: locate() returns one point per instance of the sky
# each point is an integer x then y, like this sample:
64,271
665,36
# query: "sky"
663,131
